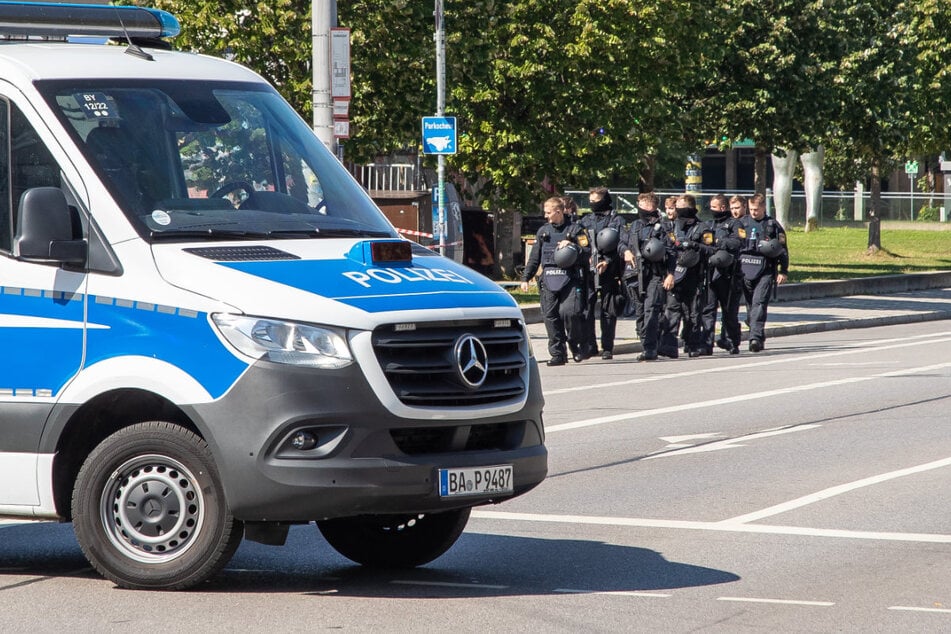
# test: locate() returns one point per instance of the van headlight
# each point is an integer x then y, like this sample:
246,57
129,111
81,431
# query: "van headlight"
285,341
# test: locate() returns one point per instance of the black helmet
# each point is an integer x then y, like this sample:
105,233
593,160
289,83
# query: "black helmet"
607,240
689,258
567,256
722,259
654,250
770,248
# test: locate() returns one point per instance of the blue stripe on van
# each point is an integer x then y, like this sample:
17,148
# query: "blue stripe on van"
428,284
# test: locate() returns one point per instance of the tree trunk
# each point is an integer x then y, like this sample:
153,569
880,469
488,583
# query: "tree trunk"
646,183
508,241
875,190
759,170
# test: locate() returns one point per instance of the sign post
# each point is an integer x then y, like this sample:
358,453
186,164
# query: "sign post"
911,168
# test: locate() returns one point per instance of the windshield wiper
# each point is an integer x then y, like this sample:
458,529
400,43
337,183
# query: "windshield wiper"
209,234
339,232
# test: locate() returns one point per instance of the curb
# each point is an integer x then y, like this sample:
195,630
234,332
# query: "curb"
822,326
878,285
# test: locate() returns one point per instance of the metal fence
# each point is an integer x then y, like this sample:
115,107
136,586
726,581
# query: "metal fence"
398,177
838,208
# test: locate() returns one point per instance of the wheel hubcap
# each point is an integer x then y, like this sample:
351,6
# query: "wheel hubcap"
152,508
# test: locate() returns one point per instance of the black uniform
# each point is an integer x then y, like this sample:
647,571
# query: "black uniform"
649,294
606,298
759,272
683,301
561,291
724,285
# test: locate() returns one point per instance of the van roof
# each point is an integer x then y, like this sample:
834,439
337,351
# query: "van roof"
32,60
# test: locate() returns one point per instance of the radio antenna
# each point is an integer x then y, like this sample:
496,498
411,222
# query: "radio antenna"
132,48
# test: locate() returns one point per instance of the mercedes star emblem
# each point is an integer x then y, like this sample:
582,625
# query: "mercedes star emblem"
472,361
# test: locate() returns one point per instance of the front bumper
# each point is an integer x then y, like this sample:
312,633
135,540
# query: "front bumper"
366,460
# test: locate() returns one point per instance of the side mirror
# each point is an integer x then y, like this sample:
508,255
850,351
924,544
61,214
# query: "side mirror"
45,229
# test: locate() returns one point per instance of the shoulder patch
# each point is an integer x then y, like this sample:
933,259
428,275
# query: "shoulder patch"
742,232
582,239
708,237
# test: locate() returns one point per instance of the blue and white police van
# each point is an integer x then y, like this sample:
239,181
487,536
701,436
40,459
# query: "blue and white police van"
210,332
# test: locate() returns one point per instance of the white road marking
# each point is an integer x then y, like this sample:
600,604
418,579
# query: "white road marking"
739,398
901,343
722,527
911,609
779,601
677,440
615,593
731,443
447,584
836,490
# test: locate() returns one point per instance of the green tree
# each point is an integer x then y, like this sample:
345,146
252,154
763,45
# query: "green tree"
271,37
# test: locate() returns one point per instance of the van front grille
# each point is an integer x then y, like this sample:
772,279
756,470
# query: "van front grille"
440,365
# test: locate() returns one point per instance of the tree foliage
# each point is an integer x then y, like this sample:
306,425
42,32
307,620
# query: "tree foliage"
556,94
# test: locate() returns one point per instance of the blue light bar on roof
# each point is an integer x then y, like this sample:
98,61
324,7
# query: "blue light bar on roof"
51,19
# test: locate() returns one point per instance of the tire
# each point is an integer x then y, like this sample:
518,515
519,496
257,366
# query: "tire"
149,510
395,541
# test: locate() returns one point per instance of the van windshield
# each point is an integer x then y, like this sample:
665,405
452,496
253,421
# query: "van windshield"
190,160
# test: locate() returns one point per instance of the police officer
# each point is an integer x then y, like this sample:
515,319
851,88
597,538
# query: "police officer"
764,263
683,301
721,248
605,296
561,250
647,249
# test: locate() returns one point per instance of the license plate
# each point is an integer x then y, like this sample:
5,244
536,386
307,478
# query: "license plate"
475,481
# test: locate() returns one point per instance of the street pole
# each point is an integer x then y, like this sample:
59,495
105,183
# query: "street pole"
321,12
440,38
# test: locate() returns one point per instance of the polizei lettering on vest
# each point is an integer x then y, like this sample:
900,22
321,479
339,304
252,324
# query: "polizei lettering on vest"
367,278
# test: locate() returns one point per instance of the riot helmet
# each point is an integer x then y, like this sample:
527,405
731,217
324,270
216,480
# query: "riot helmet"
689,258
607,240
654,250
770,248
722,259
567,256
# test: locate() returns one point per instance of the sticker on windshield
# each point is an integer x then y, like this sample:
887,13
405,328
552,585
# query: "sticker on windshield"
97,105
161,218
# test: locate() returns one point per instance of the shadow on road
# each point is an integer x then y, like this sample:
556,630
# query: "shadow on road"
478,565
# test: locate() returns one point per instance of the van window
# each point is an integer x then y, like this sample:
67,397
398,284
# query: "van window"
199,159
25,162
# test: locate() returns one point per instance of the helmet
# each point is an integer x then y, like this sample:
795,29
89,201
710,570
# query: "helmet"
654,250
607,240
567,256
722,259
770,248
689,258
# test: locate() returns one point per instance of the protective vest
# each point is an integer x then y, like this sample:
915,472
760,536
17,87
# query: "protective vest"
554,277
752,263
687,260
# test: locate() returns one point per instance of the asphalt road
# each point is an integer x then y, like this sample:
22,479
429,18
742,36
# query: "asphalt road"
804,489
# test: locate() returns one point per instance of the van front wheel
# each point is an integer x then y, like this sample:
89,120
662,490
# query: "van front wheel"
149,509
395,541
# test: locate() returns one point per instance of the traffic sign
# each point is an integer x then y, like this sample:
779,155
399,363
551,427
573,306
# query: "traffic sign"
439,135
911,168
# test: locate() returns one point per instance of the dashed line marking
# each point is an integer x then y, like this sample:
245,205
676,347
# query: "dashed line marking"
822,604
904,608
615,593
447,584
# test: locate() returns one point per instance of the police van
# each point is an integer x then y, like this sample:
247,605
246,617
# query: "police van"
210,332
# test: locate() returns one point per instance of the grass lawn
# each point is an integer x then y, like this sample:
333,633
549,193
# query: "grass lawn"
840,253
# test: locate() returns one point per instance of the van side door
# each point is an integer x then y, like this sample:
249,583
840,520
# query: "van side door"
42,313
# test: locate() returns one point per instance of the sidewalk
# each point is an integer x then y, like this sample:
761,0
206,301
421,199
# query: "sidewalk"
809,315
